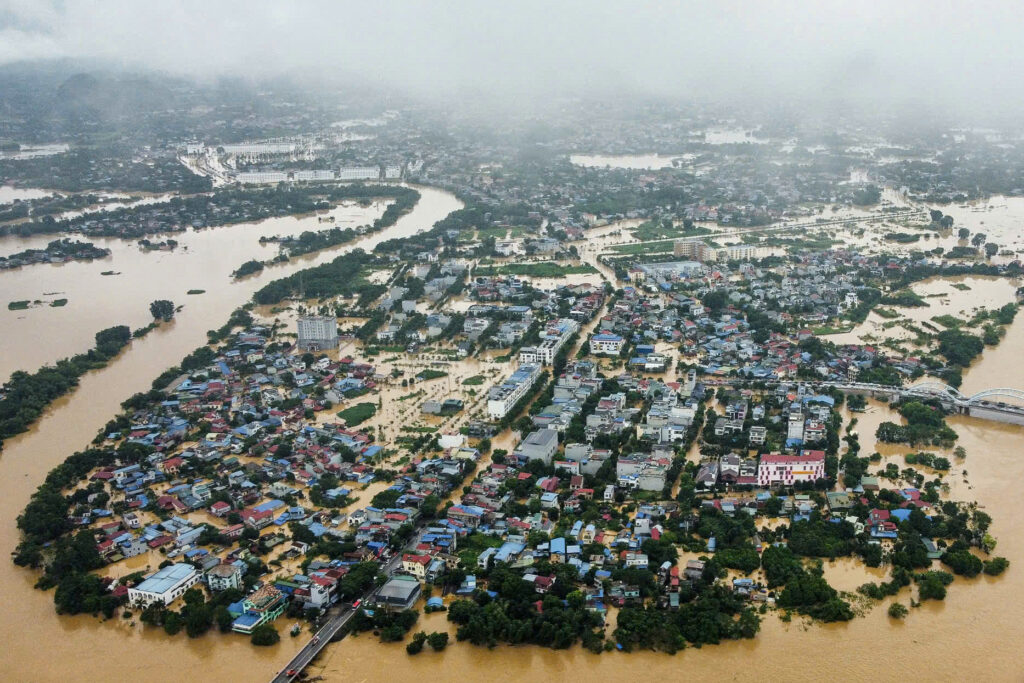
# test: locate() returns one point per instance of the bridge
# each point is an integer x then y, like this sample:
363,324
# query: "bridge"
983,404
340,616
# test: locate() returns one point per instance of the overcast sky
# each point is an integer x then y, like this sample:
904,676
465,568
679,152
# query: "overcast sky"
926,51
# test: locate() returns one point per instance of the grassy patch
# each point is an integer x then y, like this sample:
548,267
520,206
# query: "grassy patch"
828,329
18,305
429,374
652,230
193,292
357,414
57,303
948,321
887,313
540,269
474,381
961,286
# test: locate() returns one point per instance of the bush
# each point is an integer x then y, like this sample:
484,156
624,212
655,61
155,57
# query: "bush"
897,610
438,640
996,566
264,635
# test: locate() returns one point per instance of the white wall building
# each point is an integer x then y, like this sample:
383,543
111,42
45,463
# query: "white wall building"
606,344
317,333
165,586
501,398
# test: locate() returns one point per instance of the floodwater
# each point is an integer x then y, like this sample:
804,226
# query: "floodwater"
42,646
31,152
974,633
10,194
204,259
959,296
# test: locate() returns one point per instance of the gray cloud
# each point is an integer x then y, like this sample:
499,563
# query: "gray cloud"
953,54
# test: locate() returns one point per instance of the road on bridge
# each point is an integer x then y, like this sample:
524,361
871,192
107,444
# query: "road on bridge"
339,617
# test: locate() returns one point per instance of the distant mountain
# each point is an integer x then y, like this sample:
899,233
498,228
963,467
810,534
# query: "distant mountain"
106,99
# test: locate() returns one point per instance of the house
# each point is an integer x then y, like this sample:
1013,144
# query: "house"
539,445
165,586
416,565
606,344
786,470
224,576
399,593
262,606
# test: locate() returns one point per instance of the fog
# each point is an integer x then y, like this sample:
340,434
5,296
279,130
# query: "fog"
954,56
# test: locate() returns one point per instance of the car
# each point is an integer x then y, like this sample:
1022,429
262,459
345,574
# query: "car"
316,639
291,672
355,605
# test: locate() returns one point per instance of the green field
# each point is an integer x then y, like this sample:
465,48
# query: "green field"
357,414
541,269
424,375
474,381
663,247
18,305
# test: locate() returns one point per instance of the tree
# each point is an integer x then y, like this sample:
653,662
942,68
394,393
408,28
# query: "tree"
991,249
963,233
438,640
996,566
162,309
897,610
264,635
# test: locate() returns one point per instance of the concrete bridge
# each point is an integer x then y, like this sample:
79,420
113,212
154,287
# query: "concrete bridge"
986,405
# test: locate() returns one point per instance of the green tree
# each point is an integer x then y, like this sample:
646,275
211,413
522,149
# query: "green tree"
162,309
264,635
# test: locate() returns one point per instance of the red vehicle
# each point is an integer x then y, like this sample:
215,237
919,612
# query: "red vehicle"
291,672
355,605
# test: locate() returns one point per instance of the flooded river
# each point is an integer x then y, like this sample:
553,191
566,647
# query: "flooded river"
204,259
974,633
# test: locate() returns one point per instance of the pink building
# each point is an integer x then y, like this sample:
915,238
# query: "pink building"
786,470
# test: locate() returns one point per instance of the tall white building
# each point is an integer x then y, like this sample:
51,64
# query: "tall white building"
503,397
556,334
317,333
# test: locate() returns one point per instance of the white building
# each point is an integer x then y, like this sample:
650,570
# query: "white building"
165,586
359,173
606,344
317,333
554,337
260,148
738,252
502,398
261,177
775,469
224,576
313,175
